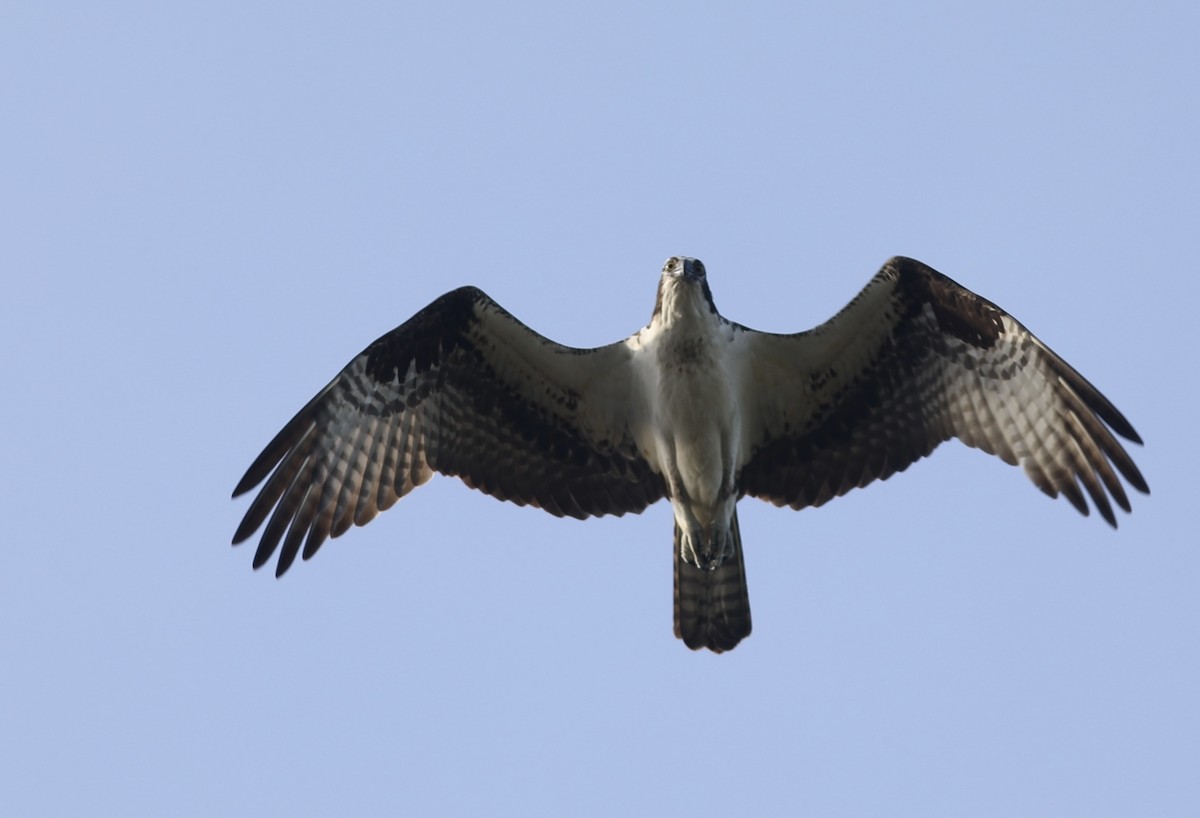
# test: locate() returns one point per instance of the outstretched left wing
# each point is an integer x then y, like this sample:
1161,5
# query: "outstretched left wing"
462,388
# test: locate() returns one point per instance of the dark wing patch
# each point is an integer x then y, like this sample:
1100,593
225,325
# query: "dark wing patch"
917,359
463,389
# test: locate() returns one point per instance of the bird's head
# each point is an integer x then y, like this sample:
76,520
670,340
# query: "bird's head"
686,267
683,289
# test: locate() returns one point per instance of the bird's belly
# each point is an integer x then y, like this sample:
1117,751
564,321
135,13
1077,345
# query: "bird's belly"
696,418
702,473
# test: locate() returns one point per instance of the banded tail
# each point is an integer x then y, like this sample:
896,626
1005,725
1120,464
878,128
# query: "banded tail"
712,608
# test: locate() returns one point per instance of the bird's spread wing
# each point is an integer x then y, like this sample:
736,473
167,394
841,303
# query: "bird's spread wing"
464,389
913,360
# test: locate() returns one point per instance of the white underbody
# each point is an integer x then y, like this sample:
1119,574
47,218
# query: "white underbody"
690,386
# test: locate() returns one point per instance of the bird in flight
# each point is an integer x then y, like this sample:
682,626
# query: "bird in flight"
692,407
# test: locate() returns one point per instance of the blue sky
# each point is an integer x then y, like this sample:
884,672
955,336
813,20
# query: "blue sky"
209,208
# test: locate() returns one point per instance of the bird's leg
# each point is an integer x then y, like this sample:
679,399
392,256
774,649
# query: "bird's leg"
716,538
694,542
703,544
706,547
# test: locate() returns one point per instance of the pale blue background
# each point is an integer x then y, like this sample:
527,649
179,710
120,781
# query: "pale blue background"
207,208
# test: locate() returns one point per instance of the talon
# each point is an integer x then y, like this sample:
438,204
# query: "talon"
713,557
707,553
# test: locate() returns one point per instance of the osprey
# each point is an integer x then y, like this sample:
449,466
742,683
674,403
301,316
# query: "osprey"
694,408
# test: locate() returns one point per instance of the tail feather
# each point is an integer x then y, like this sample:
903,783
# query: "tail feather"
712,608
